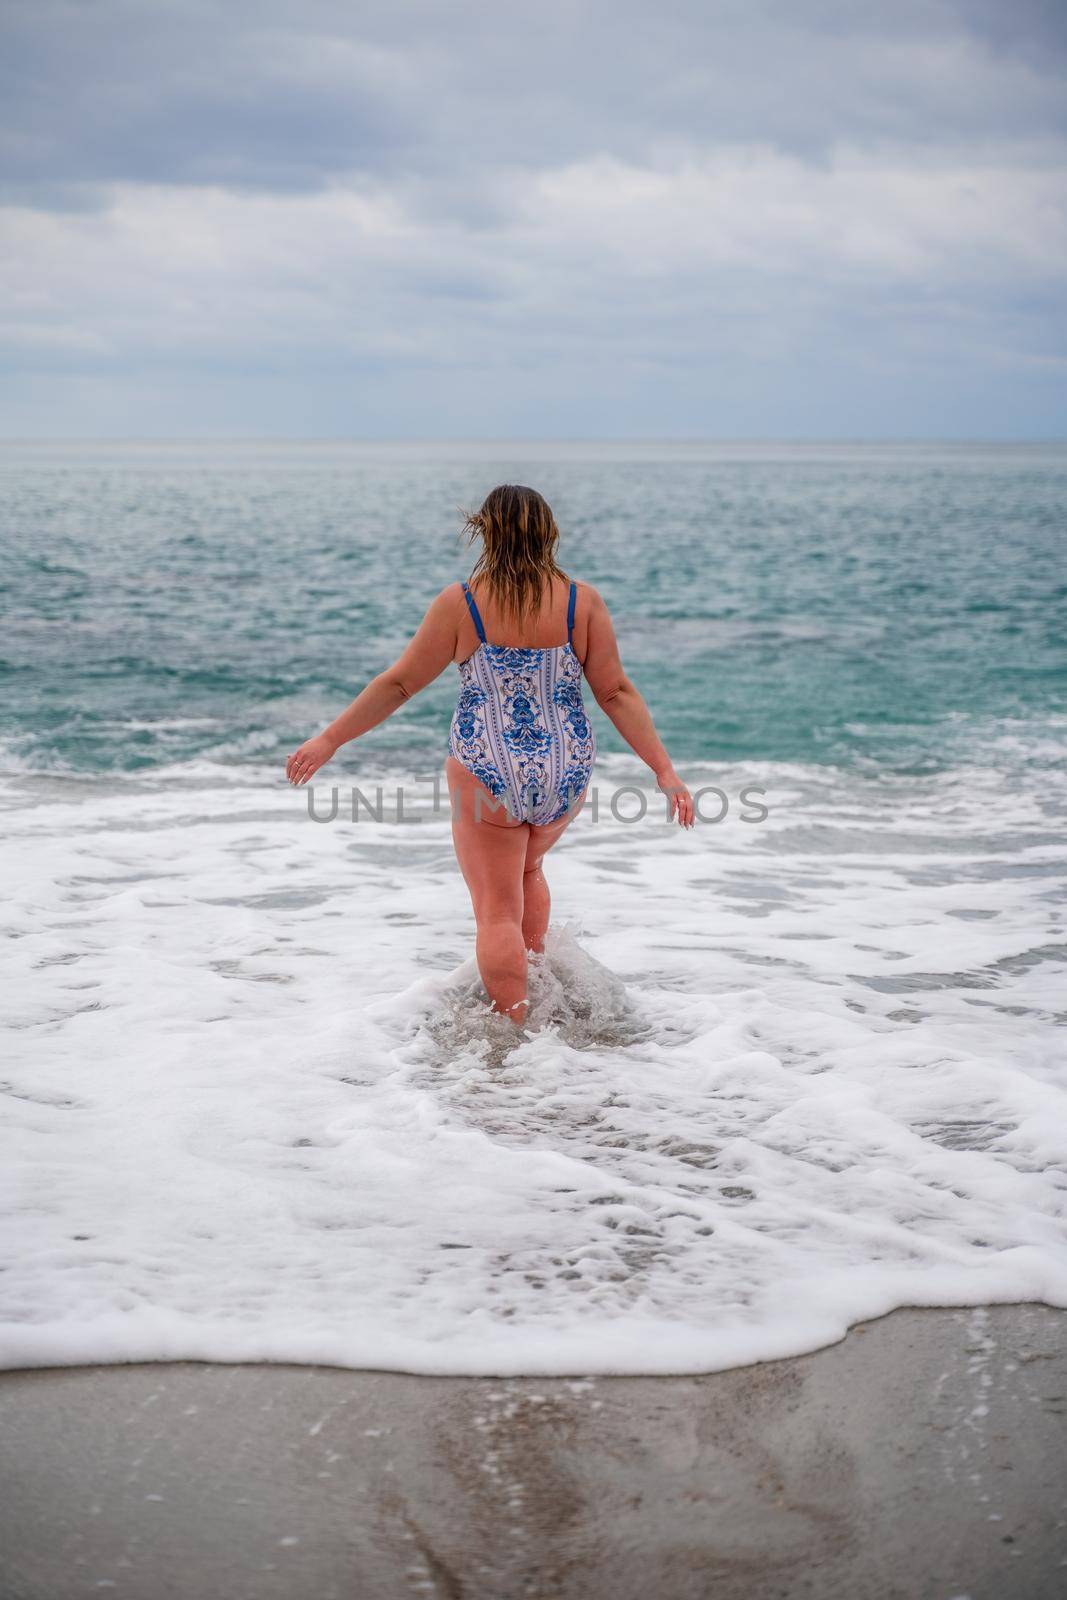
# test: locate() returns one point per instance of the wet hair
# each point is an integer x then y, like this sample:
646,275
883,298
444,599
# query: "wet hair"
519,537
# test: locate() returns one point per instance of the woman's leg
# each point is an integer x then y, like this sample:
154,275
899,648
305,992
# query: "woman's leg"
491,851
536,905
536,900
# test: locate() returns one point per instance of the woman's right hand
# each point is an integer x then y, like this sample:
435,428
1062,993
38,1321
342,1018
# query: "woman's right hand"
681,801
312,754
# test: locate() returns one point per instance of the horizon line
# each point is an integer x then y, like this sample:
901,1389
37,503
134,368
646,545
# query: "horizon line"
617,439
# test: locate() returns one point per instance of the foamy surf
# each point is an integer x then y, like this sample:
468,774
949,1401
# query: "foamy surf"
571,997
774,1079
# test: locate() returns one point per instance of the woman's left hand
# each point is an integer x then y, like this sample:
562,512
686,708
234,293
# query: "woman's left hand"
305,762
679,799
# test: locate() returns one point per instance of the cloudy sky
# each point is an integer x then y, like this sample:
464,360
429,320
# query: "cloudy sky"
563,219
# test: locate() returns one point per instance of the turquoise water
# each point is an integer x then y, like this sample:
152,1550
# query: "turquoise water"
896,608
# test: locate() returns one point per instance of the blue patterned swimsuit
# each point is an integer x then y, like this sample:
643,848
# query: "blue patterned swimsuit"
520,725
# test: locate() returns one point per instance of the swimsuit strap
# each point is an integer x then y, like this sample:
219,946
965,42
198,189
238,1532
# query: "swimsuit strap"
570,611
475,614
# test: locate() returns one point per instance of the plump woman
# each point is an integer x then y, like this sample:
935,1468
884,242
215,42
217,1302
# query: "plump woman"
521,747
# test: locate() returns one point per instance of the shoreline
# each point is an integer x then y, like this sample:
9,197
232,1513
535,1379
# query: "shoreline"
925,1454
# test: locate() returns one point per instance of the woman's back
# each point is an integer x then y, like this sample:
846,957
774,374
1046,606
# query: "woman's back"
520,727
538,629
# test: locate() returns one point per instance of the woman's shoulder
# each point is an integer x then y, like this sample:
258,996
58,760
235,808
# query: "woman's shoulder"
449,597
592,595
446,608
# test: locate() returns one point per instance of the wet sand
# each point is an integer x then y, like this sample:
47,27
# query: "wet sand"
924,1457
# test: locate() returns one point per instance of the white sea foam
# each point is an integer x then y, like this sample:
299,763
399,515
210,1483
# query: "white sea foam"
776,1078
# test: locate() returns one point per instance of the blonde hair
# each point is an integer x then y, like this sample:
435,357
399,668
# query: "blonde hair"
519,537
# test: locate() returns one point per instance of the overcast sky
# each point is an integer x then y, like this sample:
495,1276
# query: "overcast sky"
562,219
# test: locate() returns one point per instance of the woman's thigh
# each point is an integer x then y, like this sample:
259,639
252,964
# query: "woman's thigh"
472,801
490,846
544,835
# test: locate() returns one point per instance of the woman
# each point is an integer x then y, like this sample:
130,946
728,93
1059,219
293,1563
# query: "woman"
521,747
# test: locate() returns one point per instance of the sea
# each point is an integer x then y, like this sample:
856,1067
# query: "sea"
782,1073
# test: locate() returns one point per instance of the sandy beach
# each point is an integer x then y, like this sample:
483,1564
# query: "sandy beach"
924,1456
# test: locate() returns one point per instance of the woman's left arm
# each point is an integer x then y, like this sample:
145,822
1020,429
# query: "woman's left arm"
426,657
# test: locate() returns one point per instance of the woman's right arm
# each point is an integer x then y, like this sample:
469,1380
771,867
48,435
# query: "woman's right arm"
619,700
426,657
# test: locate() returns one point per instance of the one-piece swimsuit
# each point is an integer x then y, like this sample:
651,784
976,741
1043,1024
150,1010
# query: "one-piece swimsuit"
520,725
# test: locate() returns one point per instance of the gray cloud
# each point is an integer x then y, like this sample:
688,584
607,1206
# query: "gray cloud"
287,97
663,211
